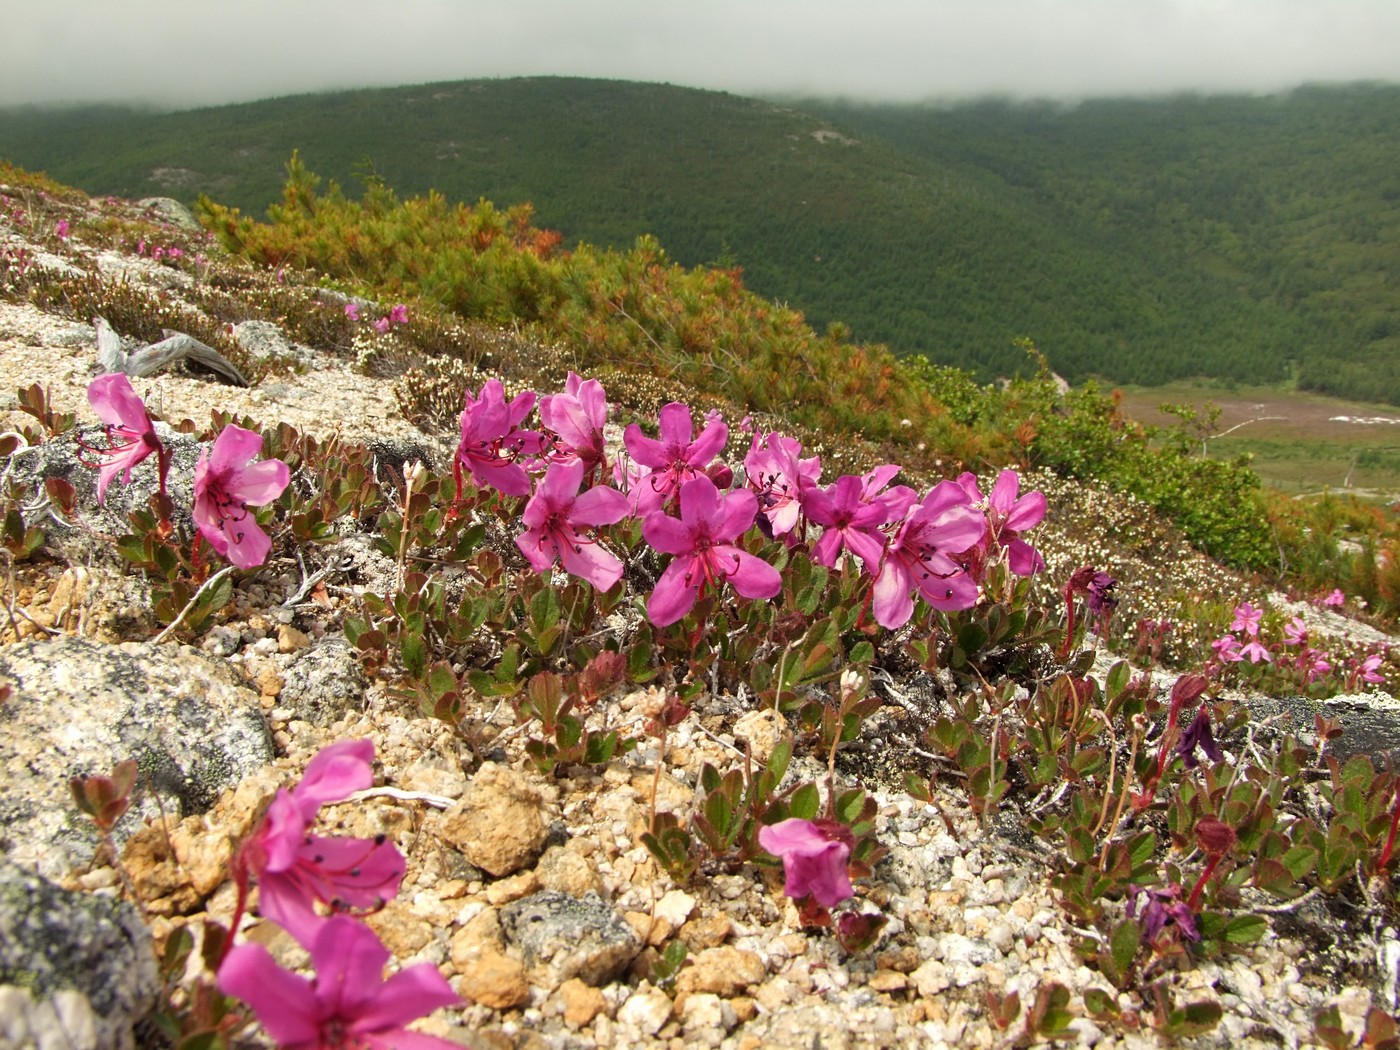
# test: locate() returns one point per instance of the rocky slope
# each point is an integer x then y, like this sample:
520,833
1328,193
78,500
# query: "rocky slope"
533,895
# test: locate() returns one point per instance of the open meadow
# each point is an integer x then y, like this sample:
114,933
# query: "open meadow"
1301,443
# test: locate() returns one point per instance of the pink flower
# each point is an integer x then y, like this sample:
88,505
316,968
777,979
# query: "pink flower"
779,478
1295,632
352,311
1255,653
295,869
131,435
348,1004
554,516
1247,619
1367,671
1335,600
492,440
226,485
576,418
917,558
672,460
61,230
382,325
851,512
1009,516
398,314
814,855
701,540
1227,649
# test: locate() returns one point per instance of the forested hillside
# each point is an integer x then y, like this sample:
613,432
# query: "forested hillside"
1242,239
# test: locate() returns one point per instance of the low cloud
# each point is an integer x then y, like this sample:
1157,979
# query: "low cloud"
158,52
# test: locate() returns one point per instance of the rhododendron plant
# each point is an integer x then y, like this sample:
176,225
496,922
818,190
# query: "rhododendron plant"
705,556
779,477
348,1005
492,440
1008,516
919,557
677,457
815,855
295,869
557,517
226,485
130,433
576,419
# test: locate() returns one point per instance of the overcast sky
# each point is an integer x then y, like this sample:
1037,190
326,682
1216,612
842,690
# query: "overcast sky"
198,52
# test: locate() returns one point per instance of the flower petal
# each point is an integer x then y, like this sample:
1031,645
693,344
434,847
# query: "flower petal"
673,596
233,448
285,1003
413,992
336,773
259,483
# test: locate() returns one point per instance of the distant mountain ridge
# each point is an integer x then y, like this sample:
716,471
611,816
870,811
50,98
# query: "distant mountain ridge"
1246,239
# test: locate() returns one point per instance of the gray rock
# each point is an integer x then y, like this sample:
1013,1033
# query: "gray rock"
168,209
561,936
77,971
266,342
79,707
1370,723
324,682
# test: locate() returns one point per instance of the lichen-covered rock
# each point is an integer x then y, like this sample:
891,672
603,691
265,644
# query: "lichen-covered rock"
77,971
79,707
323,682
561,936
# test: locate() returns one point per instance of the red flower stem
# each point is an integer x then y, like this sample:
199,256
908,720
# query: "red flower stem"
1394,824
1200,886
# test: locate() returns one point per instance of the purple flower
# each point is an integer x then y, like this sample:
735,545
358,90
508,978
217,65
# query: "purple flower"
701,540
295,869
814,855
348,1004
917,558
1198,734
554,516
1162,909
61,229
576,418
398,314
382,326
672,460
1099,593
352,311
850,522
226,485
779,478
492,440
1247,619
1335,600
130,434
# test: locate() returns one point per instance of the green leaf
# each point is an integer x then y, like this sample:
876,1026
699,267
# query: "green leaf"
1123,943
805,802
1245,929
